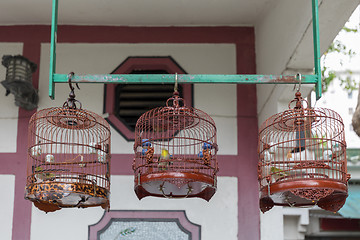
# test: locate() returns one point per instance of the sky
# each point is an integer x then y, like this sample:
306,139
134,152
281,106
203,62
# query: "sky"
336,98
351,40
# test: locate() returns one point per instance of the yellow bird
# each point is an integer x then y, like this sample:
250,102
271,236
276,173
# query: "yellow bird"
278,173
163,161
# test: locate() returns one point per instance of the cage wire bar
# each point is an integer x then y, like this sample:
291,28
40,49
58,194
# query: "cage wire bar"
186,78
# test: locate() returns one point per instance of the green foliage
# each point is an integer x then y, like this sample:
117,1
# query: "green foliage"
329,75
349,83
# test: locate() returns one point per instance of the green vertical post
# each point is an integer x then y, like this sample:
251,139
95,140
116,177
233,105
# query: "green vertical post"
317,56
53,48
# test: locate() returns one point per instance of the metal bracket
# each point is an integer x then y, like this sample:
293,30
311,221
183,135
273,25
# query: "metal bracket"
186,78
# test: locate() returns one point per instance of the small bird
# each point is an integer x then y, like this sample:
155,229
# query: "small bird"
147,150
207,145
163,160
328,155
149,154
44,176
143,151
145,143
321,140
278,173
206,156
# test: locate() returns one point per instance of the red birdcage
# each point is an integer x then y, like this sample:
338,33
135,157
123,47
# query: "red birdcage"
302,158
175,152
68,158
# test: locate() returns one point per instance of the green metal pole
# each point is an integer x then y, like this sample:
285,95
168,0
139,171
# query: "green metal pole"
185,78
52,68
317,56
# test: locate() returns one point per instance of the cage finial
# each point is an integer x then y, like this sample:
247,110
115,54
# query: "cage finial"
298,77
176,85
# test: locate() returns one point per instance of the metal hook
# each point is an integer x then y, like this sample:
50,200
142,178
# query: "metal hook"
176,83
298,77
70,76
71,101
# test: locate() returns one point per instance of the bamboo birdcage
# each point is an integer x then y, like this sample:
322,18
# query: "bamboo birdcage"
302,158
175,152
68,158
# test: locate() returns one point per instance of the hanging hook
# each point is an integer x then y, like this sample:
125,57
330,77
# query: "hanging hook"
71,101
176,83
298,77
70,76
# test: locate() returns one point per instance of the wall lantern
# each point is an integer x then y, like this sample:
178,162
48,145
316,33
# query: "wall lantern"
18,81
302,158
68,158
175,152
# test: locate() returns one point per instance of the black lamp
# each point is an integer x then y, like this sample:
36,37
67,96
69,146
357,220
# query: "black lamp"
18,81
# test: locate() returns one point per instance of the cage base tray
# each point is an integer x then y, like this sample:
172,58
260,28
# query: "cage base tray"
175,185
51,195
328,195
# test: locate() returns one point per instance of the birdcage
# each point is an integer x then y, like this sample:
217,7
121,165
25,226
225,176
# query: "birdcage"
175,152
68,158
302,158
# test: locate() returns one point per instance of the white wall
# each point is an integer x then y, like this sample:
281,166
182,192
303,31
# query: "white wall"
104,58
272,224
218,217
7,186
9,112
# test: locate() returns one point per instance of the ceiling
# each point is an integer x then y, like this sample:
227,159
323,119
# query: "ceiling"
136,12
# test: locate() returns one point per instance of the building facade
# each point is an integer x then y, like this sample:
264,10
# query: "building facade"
233,212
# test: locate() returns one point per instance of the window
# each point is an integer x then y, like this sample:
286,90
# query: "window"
132,100
150,225
126,102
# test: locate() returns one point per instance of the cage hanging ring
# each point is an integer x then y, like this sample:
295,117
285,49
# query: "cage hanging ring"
298,77
176,83
70,76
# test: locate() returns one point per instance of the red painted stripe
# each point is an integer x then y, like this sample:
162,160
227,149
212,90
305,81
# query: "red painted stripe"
22,207
113,34
247,161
